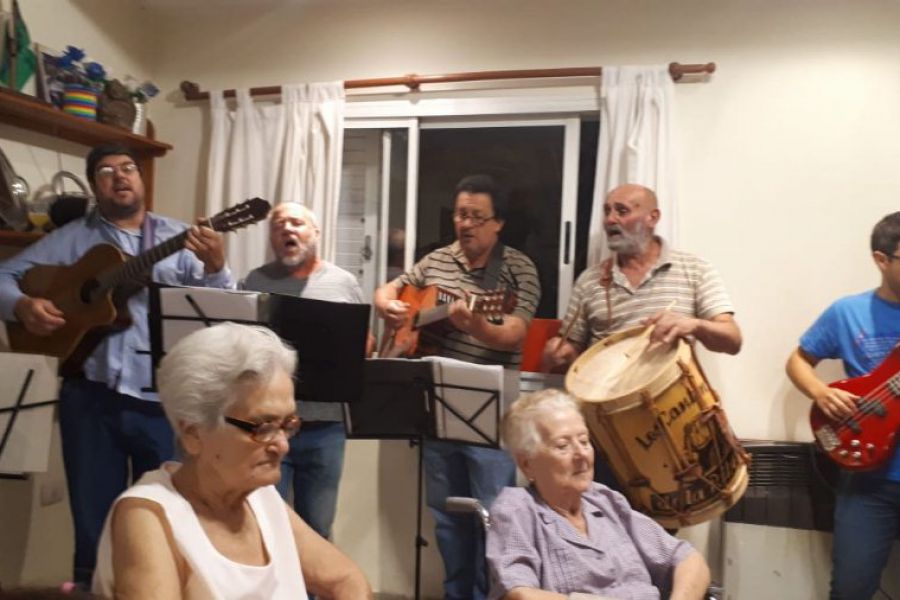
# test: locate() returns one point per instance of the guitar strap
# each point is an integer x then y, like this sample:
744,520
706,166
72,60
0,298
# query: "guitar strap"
492,269
148,228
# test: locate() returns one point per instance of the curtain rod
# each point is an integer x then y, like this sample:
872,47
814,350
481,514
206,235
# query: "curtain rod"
413,82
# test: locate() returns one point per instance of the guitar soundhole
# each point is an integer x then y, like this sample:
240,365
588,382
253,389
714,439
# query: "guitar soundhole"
87,291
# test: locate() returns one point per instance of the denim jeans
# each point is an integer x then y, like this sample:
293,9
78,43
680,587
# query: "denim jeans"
105,435
312,469
463,470
866,518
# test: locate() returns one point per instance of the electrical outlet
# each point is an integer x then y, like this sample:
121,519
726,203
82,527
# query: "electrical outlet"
52,492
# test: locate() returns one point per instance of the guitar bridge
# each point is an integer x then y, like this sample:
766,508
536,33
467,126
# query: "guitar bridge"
827,438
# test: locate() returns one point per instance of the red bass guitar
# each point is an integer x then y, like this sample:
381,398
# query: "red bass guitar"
865,439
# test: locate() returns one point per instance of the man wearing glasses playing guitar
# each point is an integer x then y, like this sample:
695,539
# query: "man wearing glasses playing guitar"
475,263
110,424
854,421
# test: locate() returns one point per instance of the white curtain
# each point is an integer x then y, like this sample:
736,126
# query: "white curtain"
288,151
635,144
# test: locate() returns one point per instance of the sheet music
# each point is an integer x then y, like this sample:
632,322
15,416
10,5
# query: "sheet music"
27,448
479,405
180,307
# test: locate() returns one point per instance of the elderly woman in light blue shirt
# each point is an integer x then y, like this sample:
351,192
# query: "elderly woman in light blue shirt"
567,536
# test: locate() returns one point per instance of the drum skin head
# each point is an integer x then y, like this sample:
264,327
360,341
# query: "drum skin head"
614,371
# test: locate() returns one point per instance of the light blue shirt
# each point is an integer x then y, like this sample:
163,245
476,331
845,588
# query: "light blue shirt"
122,361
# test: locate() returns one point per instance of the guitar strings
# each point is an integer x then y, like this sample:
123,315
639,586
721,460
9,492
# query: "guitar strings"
880,396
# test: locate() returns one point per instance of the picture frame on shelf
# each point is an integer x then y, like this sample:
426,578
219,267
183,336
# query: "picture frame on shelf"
48,86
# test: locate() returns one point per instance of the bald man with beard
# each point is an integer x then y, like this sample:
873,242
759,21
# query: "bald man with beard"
645,281
313,464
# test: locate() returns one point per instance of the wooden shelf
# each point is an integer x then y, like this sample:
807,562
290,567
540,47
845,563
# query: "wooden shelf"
28,112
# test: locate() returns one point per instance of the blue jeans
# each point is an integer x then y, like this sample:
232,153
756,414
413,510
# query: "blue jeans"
312,468
105,435
462,470
866,519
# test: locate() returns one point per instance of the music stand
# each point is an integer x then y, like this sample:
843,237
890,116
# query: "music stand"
397,404
176,311
329,337
26,412
400,401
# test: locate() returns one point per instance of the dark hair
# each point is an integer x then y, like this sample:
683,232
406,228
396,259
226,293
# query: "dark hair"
484,184
886,234
98,153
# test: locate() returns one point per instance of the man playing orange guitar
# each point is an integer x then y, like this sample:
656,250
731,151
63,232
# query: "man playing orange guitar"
464,267
861,331
111,425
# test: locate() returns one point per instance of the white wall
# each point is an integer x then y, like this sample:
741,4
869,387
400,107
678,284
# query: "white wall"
786,154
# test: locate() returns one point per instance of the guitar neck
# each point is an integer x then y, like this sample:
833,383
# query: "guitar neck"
134,267
432,315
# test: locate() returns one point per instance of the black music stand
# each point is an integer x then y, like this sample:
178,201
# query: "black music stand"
397,404
32,382
330,337
400,402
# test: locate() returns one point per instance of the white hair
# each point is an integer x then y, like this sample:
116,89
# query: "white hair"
307,211
520,430
199,377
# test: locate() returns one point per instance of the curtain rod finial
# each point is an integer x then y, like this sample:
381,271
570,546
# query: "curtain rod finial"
189,88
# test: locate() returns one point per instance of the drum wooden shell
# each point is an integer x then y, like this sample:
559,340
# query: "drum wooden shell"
661,426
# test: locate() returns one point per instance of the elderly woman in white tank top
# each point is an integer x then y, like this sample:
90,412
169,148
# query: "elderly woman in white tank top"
214,527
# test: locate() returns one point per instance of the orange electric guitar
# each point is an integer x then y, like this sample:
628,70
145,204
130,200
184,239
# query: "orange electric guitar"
92,293
429,308
865,439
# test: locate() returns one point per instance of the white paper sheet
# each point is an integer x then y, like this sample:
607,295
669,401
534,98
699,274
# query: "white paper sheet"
27,448
485,395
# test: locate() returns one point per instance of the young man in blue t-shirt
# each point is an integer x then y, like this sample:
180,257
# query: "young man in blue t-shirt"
860,330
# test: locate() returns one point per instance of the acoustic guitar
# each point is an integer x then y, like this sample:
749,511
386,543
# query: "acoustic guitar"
429,307
865,439
92,292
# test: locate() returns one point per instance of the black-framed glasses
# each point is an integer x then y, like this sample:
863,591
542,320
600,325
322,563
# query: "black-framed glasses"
109,171
475,219
893,256
267,431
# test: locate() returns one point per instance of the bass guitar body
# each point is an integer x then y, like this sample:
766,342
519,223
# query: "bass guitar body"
72,289
866,439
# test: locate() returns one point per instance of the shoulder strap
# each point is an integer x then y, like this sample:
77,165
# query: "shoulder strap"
606,280
494,265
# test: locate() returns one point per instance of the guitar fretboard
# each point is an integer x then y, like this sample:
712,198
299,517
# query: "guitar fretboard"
137,266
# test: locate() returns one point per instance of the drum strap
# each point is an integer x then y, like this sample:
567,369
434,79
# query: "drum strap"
606,280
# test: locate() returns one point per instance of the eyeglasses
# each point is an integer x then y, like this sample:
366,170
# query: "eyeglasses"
267,431
109,171
893,257
476,219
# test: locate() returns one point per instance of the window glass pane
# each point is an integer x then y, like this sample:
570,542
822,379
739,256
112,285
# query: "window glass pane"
396,232
525,161
587,169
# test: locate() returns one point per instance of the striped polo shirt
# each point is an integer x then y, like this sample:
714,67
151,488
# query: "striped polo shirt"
691,282
447,268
